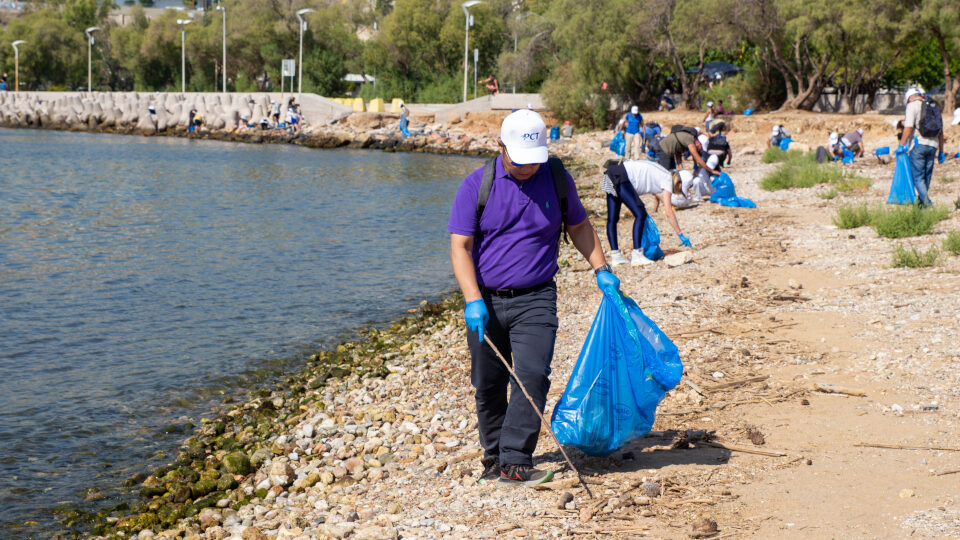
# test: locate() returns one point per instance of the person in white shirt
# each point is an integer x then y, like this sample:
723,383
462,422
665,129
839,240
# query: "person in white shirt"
624,184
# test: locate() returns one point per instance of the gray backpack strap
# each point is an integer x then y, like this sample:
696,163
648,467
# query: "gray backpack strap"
486,184
559,174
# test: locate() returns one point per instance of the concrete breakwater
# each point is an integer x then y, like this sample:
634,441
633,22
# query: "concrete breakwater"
151,113
329,124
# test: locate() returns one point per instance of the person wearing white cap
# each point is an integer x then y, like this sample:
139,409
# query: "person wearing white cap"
776,134
833,145
632,124
853,142
922,118
708,118
505,227
275,112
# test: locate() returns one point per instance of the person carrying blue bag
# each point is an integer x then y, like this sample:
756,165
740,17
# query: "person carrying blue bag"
625,183
505,227
922,118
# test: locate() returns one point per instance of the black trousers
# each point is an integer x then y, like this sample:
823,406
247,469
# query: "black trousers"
526,327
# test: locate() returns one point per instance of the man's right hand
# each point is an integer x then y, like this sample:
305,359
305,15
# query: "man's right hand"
476,315
902,149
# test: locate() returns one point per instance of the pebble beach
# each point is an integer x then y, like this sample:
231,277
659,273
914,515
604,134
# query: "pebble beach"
811,363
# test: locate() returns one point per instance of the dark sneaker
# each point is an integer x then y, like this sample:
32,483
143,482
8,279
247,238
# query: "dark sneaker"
491,470
524,474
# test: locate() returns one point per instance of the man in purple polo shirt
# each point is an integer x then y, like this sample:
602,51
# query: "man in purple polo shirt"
505,267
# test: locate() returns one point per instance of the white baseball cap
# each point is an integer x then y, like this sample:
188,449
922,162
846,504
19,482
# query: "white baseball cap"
709,104
704,140
634,109
912,92
834,137
956,117
860,131
775,130
525,136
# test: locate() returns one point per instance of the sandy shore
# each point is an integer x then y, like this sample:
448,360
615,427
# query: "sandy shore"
805,353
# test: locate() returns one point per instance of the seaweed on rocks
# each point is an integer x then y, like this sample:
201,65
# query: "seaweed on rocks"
216,466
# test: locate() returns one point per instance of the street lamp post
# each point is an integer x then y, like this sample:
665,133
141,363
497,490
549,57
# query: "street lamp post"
303,26
466,42
224,66
16,56
476,58
183,53
89,32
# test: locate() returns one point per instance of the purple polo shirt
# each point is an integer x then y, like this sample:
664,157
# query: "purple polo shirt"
520,226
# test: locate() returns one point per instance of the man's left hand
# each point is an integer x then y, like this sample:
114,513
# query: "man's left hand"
684,240
941,157
606,279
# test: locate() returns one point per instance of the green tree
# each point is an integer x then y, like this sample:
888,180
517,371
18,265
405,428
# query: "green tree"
940,21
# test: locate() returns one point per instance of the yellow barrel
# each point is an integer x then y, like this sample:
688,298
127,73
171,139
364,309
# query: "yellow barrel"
375,105
358,105
395,105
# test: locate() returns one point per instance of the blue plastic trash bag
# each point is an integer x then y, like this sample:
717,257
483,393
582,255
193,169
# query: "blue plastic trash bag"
618,144
847,156
650,240
723,186
626,366
882,151
555,133
901,189
748,112
726,194
785,143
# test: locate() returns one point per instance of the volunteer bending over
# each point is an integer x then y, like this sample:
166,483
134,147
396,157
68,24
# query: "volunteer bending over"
505,261
624,184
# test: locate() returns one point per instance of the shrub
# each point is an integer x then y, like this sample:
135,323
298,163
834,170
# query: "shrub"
852,183
801,172
899,222
914,258
947,179
902,222
851,217
774,154
831,194
952,242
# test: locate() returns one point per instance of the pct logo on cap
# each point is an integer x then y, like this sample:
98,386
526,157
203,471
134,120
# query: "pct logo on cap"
525,136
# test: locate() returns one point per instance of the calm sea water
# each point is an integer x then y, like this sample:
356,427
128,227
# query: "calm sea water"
141,276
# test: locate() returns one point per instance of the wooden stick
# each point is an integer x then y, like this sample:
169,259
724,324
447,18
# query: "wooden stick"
734,384
745,450
695,332
907,447
831,389
540,414
695,387
944,473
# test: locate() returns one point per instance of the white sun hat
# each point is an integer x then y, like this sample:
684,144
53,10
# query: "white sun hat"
525,135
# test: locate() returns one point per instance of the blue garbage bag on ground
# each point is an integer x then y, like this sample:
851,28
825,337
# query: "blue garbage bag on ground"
785,143
618,144
723,187
847,156
748,112
901,189
882,151
650,240
555,133
726,194
625,367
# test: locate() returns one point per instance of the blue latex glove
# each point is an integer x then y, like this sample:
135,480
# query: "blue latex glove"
607,280
941,157
476,315
901,149
684,240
